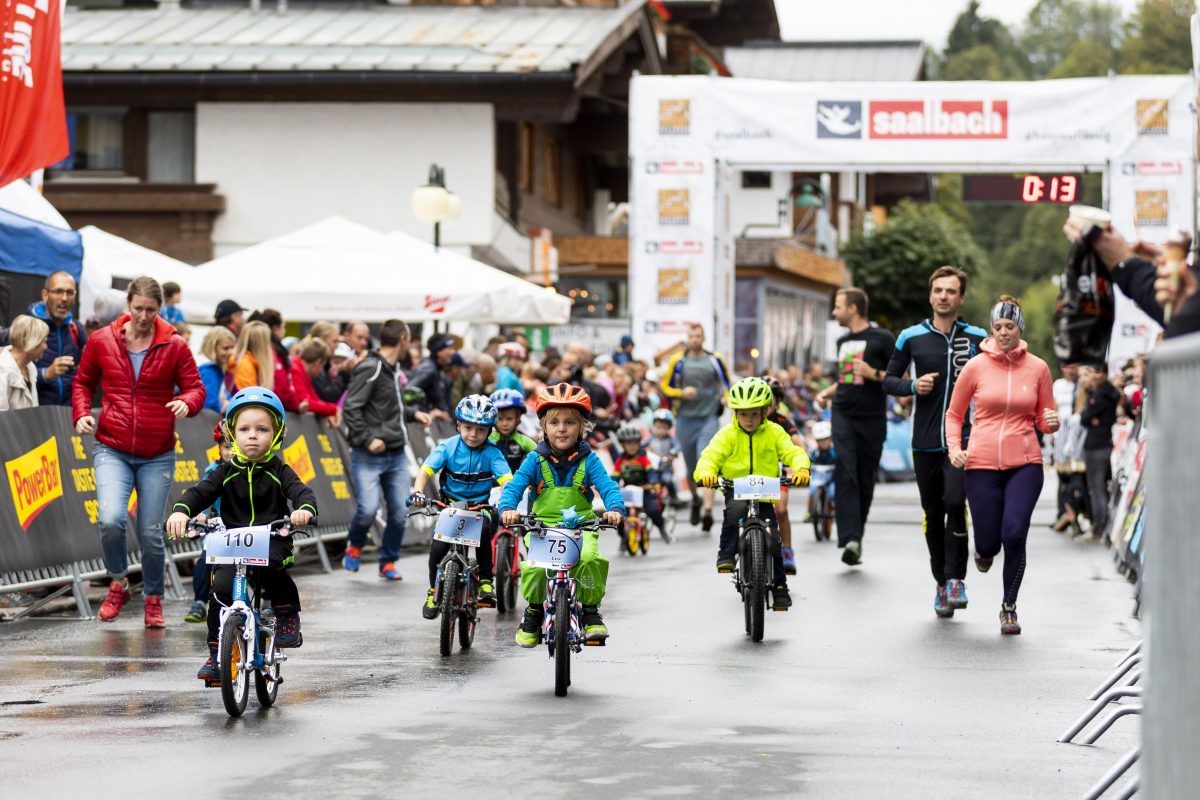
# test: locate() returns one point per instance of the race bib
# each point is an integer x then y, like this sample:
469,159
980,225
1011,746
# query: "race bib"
633,495
250,546
559,548
459,526
755,487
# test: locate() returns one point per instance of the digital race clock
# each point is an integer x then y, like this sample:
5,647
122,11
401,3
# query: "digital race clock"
1052,188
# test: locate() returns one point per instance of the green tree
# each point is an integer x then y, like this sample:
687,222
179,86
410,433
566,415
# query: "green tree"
1071,38
980,48
1158,38
892,263
1086,58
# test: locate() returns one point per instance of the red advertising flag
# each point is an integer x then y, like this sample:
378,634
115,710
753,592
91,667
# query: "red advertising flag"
33,121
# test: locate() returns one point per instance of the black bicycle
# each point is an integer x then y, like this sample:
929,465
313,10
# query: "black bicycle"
758,541
822,501
456,591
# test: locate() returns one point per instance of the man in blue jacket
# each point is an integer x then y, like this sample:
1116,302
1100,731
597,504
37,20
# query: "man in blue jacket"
57,366
937,349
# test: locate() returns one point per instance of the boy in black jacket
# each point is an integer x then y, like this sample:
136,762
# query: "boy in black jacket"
254,488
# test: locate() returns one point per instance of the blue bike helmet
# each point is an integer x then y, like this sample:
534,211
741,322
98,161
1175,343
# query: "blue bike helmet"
256,396
508,398
664,415
478,409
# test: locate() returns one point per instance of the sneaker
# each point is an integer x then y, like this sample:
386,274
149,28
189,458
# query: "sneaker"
707,522
852,553
429,609
594,629
197,613
941,603
352,558
118,595
726,564
956,593
695,511
982,564
781,598
209,672
487,595
789,561
389,572
1008,620
154,613
530,631
287,630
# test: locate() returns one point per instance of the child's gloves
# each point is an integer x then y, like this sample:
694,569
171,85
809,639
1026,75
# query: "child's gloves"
800,477
708,481
416,499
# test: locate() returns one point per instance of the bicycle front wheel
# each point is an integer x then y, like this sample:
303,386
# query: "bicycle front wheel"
632,535
504,548
755,593
467,615
562,644
449,587
235,684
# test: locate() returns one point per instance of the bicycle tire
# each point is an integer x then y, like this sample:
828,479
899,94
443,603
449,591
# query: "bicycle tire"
818,516
562,645
235,688
630,543
828,517
670,517
644,536
449,586
514,578
756,592
503,573
266,680
466,629
468,615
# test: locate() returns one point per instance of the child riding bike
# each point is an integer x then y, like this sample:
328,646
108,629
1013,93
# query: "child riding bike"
254,487
823,455
469,465
510,407
750,445
633,468
664,445
562,473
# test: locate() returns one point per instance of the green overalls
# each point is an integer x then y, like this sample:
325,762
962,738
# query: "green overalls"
591,573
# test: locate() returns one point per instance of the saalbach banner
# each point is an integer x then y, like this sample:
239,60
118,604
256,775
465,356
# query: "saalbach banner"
33,121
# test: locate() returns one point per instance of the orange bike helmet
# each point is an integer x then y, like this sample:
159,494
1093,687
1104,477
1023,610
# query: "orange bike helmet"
563,395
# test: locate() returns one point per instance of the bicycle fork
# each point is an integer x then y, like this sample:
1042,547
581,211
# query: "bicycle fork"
575,637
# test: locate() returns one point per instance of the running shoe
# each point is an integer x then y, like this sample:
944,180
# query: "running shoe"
209,672
118,595
982,564
789,561
852,553
781,598
487,594
594,629
956,593
389,572
726,564
707,522
1008,620
197,613
352,558
531,628
153,614
287,630
429,609
941,604
695,510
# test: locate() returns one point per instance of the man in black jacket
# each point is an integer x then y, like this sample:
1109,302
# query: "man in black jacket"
937,350
1097,417
375,428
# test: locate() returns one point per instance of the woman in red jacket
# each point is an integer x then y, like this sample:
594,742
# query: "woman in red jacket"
310,362
138,361
1011,389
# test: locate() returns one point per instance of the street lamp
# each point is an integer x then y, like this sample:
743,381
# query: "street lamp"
433,203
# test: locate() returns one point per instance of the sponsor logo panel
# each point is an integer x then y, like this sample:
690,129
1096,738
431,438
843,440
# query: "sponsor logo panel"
35,481
674,206
673,286
1152,208
1153,117
675,117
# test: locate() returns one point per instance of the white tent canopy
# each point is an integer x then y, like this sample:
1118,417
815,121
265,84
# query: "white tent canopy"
21,198
106,256
339,270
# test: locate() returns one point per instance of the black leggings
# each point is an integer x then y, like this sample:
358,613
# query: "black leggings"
274,581
944,501
1002,503
483,553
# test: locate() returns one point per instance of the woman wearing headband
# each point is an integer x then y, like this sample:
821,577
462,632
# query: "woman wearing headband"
1011,391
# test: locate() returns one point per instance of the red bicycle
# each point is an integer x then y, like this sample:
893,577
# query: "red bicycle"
507,555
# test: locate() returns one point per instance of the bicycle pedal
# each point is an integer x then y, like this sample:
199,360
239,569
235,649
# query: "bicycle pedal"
212,684
589,643
778,608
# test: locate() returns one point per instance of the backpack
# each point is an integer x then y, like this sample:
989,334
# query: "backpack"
1084,311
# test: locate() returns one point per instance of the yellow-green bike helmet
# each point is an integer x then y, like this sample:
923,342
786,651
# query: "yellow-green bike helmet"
749,393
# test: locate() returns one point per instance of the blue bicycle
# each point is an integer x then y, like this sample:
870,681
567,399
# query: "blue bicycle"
557,550
247,630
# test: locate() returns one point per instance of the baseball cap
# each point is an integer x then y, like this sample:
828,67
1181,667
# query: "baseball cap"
457,360
441,343
227,308
626,341
343,350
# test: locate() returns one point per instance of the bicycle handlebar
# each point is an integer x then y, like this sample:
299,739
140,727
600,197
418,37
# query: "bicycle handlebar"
281,528
432,507
532,524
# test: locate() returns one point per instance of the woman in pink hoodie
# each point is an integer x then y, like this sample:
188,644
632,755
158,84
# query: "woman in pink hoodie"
1011,390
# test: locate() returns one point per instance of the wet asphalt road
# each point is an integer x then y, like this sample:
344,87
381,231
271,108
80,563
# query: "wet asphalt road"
857,692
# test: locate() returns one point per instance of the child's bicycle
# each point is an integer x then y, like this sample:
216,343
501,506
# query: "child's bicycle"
668,510
247,631
557,550
635,535
456,591
757,541
822,503
507,555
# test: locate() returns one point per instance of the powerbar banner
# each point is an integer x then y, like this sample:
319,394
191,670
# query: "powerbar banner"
1138,130
48,515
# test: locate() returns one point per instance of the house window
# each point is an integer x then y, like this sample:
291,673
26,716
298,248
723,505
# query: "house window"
756,180
596,298
553,175
172,147
525,168
97,138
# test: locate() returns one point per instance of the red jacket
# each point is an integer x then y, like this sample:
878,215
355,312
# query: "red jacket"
134,417
302,389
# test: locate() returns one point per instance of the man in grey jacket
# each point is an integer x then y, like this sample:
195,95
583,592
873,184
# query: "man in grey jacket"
375,418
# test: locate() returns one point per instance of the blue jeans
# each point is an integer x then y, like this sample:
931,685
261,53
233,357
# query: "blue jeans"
117,475
374,475
694,435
